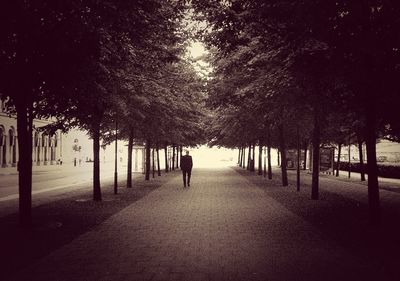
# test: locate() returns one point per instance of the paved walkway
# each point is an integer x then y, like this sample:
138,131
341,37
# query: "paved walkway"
221,228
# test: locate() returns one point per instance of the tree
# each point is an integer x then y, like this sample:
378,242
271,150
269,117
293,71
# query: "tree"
357,29
69,59
321,41
39,56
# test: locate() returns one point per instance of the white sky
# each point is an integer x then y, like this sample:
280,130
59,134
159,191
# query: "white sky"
197,50
205,157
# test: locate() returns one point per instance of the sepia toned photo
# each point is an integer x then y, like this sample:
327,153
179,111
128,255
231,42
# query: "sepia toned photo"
199,140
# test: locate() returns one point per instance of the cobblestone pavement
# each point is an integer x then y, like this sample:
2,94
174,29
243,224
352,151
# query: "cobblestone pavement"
221,228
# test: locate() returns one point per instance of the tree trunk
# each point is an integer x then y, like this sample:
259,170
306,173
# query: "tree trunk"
240,157
130,151
177,157
265,164
148,159
244,157
349,168
315,155
170,158
338,159
260,154
282,145
178,150
372,167
173,157
158,160
298,161
269,155
115,159
278,155
166,157
305,155
253,160
180,156
153,162
249,158
24,126
96,161
269,166
360,153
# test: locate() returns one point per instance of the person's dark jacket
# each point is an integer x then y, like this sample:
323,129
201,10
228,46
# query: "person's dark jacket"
186,163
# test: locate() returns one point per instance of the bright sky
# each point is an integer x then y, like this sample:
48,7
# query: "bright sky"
214,157
205,157
196,51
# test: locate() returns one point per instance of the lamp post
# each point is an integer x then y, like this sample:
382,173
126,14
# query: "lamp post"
115,158
75,148
79,155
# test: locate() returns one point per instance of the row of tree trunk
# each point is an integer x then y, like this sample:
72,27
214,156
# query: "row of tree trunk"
360,155
264,171
370,137
153,156
25,128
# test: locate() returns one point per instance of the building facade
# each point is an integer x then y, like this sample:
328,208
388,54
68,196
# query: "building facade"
72,148
46,148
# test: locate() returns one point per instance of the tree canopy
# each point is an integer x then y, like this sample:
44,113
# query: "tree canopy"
283,64
283,72
92,63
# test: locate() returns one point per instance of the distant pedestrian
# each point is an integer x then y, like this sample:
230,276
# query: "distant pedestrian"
186,166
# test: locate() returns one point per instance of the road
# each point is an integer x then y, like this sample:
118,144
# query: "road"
51,182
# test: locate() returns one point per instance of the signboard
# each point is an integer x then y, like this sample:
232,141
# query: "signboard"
291,159
326,159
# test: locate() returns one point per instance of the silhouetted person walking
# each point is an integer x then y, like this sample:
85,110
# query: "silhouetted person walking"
186,166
